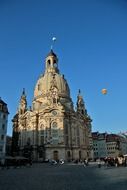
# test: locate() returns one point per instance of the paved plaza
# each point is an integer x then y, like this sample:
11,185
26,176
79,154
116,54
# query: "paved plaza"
63,177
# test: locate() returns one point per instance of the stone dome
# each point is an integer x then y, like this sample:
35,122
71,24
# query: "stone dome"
44,83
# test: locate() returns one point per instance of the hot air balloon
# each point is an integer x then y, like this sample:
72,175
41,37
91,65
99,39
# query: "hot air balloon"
104,91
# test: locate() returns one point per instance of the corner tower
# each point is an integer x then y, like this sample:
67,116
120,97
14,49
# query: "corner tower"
80,104
23,103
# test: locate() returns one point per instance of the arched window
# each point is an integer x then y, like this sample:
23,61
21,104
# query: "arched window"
54,61
49,62
54,125
83,112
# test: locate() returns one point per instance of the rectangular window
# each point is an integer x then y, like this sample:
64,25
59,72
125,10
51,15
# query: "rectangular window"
1,148
78,141
42,132
4,116
42,140
2,137
54,133
3,126
55,141
66,141
66,129
0,106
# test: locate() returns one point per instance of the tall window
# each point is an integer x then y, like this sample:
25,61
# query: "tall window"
1,148
28,141
66,129
54,130
3,126
42,140
42,134
55,133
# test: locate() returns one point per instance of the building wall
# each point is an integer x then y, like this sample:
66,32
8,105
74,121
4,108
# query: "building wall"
110,146
112,149
95,148
102,148
3,128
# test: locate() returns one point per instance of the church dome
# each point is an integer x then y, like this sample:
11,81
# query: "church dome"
51,77
43,85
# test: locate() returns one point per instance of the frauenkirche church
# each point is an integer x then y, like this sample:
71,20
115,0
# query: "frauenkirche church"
52,128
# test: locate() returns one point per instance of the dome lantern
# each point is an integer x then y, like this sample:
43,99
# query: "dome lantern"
51,62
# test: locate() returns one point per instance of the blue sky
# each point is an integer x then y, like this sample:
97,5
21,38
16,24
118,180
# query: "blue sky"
91,46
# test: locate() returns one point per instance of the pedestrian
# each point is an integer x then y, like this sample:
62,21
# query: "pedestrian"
85,162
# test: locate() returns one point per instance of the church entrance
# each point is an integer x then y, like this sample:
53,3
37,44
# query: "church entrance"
55,155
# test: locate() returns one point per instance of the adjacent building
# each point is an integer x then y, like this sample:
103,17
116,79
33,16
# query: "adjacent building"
99,145
3,127
113,145
109,145
51,128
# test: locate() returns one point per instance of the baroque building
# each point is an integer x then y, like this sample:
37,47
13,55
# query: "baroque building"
3,127
52,128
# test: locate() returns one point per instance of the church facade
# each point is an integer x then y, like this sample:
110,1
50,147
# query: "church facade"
52,128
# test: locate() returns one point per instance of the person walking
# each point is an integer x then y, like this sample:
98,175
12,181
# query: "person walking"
85,162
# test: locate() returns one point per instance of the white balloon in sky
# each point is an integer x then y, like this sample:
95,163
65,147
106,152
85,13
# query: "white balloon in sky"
54,38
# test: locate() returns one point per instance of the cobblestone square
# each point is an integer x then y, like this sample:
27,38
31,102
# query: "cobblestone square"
63,177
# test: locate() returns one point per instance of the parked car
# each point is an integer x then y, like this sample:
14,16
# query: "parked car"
53,162
61,161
